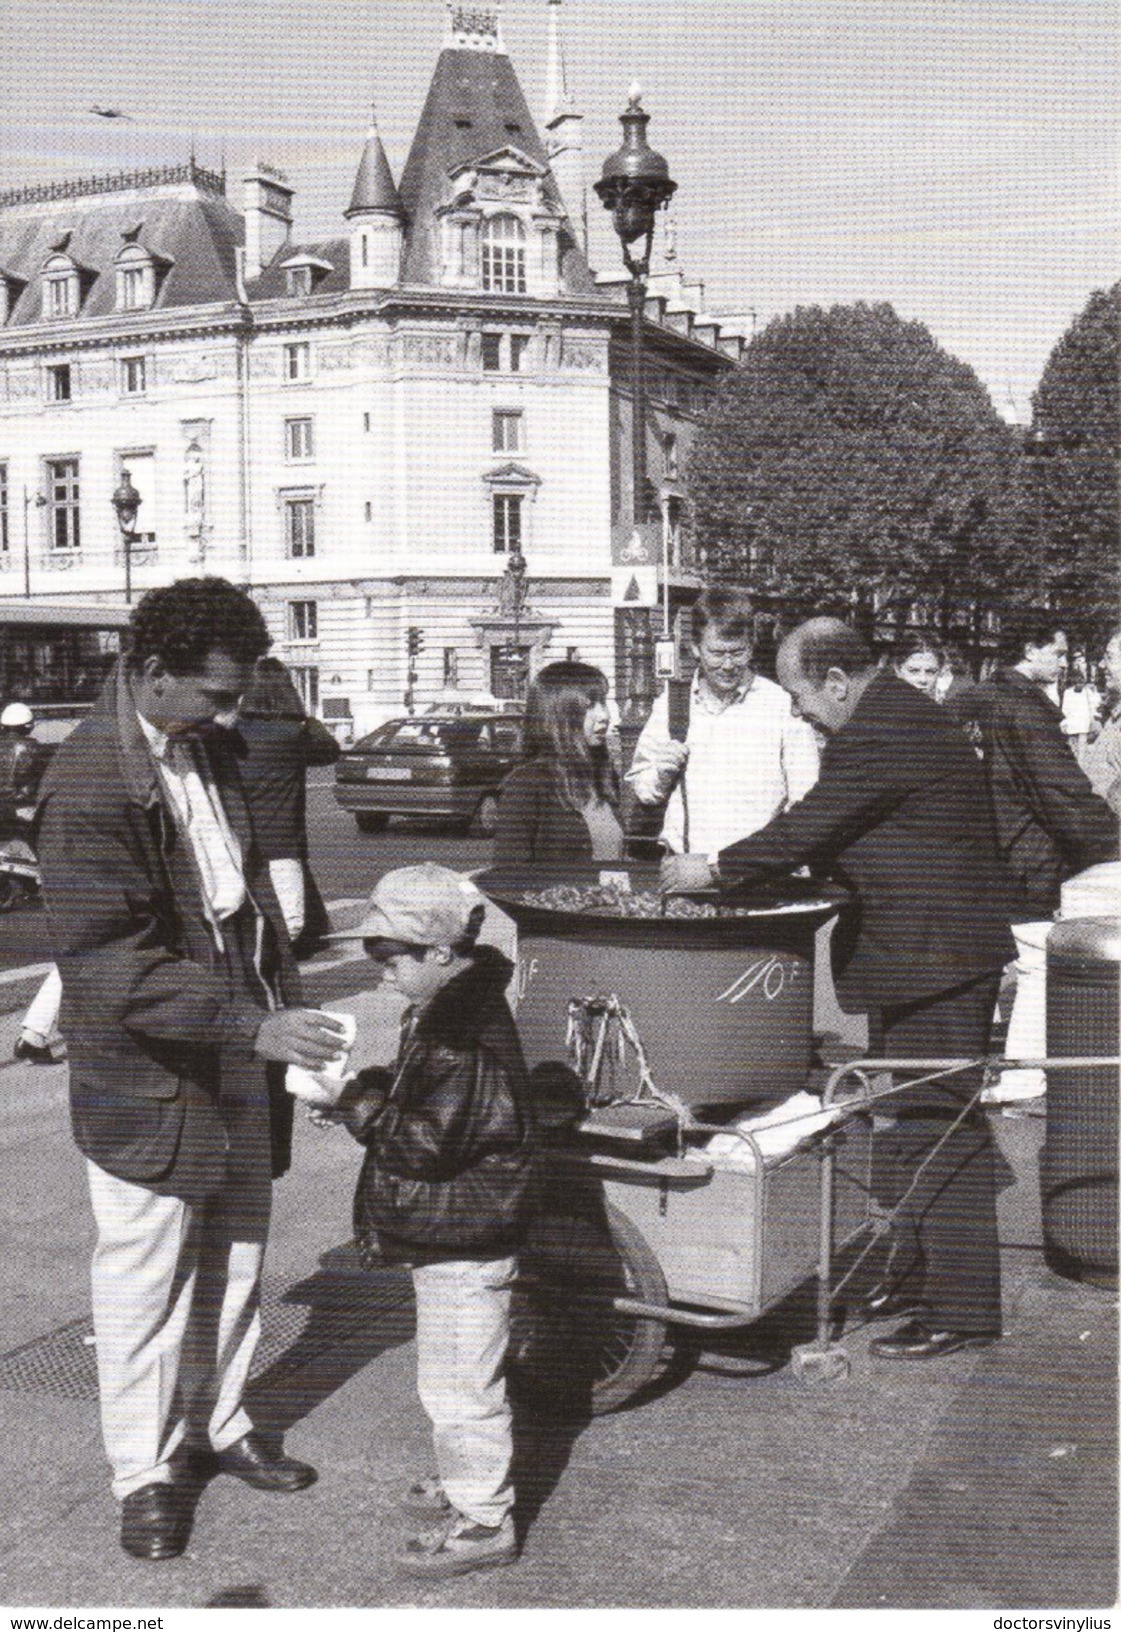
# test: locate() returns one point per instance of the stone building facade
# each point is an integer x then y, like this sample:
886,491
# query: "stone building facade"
364,430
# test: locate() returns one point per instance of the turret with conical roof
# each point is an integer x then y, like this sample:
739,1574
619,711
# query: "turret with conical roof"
377,219
477,189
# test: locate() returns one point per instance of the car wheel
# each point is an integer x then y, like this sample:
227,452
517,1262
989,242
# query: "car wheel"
371,821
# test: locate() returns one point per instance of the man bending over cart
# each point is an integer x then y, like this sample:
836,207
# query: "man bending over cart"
899,812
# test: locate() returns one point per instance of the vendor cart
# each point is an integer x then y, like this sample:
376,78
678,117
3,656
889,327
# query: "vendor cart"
658,1208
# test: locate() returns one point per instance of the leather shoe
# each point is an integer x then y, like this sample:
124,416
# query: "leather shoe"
915,1341
250,1460
886,1302
154,1523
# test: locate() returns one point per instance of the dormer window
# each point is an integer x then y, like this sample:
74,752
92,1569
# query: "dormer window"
62,289
503,242
136,279
10,291
304,273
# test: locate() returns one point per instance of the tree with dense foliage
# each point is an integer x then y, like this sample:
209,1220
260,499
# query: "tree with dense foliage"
851,464
1065,548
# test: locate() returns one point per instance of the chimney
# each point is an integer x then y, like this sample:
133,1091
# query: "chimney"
268,216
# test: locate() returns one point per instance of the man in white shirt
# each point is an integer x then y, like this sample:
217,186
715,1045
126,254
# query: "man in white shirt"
745,757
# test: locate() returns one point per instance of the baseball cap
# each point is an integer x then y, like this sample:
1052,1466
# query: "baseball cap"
426,905
17,714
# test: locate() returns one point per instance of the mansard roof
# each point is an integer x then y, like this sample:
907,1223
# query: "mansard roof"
332,253
474,109
188,229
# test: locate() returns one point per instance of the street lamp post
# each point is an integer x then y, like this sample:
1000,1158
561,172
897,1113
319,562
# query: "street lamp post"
38,501
634,186
126,502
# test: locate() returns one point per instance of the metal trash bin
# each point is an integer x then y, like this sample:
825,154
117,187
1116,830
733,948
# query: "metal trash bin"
1078,1165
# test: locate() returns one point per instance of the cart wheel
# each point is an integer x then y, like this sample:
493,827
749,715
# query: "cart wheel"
814,1365
569,1348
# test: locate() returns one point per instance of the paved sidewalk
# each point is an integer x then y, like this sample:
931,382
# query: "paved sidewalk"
984,1479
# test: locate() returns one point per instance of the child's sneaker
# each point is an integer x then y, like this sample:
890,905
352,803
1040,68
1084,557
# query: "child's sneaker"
458,1546
426,1499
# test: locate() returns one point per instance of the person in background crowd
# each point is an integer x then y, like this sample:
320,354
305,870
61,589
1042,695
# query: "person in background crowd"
446,1187
745,757
23,760
175,975
957,692
899,809
1049,822
917,658
283,744
562,804
1102,762
1080,703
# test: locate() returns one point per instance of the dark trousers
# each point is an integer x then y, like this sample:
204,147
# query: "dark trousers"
944,1243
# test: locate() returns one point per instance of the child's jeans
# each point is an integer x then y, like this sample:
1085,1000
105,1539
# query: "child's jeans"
462,1328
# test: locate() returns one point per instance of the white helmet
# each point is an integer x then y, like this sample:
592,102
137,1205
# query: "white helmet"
17,716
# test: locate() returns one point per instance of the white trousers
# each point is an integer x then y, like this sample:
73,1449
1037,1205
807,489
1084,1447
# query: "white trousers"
462,1329
1027,1024
40,1023
176,1319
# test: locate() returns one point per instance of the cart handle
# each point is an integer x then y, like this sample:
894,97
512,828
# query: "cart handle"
941,1067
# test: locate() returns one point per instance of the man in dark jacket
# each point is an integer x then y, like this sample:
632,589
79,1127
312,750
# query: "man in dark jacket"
1049,822
899,813
174,967
446,1187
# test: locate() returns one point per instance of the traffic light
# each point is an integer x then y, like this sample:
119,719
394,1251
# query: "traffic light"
415,640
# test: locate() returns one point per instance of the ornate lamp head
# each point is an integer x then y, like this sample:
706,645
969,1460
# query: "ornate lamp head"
126,501
635,185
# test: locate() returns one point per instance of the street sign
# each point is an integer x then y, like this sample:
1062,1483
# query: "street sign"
634,586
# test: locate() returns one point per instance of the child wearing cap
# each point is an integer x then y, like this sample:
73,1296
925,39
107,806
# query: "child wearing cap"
446,1187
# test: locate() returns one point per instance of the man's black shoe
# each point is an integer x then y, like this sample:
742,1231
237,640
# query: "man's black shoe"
154,1523
34,1053
914,1341
251,1460
885,1302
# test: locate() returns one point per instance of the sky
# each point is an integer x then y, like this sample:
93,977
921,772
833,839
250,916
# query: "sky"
957,158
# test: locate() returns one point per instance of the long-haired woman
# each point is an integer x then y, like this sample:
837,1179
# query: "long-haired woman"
562,804
917,659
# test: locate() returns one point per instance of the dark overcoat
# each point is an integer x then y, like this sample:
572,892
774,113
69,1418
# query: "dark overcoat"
159,1020
899,813
1049,821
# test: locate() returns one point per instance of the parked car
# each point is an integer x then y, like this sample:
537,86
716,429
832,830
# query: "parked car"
449,766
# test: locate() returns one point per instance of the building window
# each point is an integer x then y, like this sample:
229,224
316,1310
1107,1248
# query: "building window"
132,288
507,512
62,497
506,430
518,344
299,526
133,376
303,620
504,255
306,681
62,295
451,668
58,382
369,511
5,536
298,279
298,439
492,353
297,360
669,456
365,422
